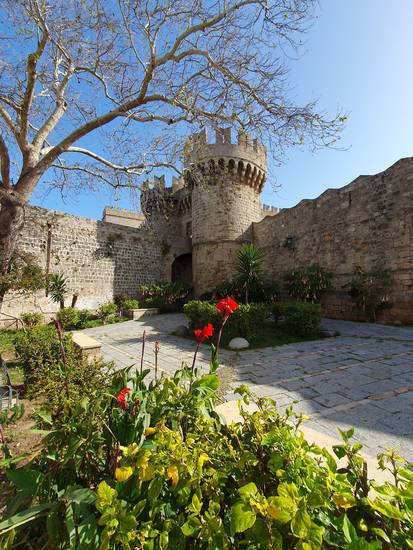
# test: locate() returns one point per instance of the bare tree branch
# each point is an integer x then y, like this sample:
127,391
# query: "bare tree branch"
32,60
5,164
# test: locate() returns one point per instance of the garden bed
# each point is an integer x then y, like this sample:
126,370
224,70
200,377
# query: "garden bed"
269,336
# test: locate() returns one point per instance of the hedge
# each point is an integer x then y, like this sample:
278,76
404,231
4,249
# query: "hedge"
301,318
246,321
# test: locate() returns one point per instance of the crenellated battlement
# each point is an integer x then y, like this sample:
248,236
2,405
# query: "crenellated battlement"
156,195
269,210
247,157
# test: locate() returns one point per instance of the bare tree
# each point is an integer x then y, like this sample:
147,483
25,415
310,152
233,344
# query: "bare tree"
94,88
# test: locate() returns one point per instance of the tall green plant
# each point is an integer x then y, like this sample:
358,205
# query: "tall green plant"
307,283
370,290
249,267
58,289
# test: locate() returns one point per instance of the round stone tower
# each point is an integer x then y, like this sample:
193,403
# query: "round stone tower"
226,180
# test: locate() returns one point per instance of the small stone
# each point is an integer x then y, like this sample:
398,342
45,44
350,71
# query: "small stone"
181,330
330,333
238,343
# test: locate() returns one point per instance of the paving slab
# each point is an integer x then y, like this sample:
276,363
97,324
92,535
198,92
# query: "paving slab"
362,378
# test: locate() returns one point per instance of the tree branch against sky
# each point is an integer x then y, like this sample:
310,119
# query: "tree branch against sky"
108,88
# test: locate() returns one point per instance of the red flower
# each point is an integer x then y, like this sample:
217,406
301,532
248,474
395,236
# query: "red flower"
121,398
204,334
226,306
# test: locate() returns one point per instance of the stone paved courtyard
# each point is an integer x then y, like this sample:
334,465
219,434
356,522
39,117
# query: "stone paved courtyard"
362,378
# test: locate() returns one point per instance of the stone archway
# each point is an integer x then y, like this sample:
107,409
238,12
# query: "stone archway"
181,269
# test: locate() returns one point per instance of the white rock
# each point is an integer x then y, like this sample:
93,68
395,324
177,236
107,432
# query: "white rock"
238,343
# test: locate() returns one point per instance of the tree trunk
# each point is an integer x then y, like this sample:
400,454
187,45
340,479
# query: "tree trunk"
11,223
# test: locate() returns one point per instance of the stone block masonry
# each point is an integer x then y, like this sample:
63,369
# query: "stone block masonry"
99,259
368,223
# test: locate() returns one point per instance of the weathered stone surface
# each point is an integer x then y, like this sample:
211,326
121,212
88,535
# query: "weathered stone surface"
141,313
181,330
212,212
368,223
238,343
90,348
99,259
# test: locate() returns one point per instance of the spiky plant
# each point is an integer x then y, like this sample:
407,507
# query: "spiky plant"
58,288
249,267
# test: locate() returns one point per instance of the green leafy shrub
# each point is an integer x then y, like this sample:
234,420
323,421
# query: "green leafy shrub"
246,321
158,469
308,283
32,319
164,296
38,351
105,311
370,290
84,316
45,372
69,317
130,304
302,319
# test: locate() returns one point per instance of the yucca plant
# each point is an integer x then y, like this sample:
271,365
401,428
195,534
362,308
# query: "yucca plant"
249,267
58,289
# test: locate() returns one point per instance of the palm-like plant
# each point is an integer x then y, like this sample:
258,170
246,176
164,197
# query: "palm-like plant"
249,266
58,288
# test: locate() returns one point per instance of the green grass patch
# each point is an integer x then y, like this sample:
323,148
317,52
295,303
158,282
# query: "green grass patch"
269,336
7,340
92,323
16,375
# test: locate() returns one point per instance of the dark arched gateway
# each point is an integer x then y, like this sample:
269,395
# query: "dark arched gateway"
182,269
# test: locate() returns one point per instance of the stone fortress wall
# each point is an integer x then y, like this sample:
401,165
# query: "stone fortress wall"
206,216
100,259
368,223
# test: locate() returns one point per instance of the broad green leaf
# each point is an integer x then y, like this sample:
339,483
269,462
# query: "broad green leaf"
344,500
386,509
81,496
301,524
155,488
380,533
248,491
139,507
288,490
242,517
282,509
26,480
23,517
87,534
349,530
196,504
192,526
209,381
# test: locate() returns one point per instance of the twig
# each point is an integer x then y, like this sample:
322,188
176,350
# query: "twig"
156,352
143,349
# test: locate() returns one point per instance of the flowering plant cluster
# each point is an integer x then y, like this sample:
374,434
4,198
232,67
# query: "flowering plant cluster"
204,333
226,307
162,470
122,398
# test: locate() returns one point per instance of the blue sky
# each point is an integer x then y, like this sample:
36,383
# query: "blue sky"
358,57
